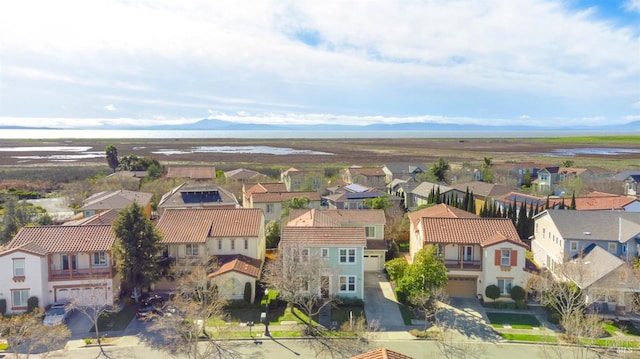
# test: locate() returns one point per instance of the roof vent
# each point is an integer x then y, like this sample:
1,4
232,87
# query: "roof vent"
587,233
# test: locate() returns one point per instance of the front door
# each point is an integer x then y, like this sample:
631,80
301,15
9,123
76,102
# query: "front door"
324,286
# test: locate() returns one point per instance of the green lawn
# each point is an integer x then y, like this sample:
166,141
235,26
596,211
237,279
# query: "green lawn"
115,320
530,337
620,326
610,343
516,321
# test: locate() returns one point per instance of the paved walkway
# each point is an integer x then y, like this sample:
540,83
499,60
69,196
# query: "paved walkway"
380,305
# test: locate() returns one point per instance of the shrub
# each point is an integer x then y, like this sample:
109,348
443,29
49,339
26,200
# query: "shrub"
521,304
492,292
247,293
555,318
396,268
87,341
401,296
518,293
32,303
3,306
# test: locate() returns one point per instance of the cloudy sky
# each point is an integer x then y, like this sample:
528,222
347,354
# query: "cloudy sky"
541,62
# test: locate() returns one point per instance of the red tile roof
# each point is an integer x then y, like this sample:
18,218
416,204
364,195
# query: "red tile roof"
106,217
382,353
57,239
468,230
334,217
277,197
238,263
196,225
597,201
264,188
317,236
440,210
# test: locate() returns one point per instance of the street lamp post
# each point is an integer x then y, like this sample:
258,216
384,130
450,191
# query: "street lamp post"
266,311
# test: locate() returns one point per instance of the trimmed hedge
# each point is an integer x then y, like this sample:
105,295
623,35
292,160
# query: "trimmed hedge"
3,306
32,303
492,292
518,293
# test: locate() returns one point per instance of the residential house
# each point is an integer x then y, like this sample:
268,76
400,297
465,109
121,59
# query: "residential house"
421,193
549,178
354,196
196,173
247,191
517,199
631,186
104,201
234,239
343,248
482,192
436,211
107,217
59,263
478,252
401,189
302,180
401,171
197,195
561,235
368,177
244,175
381,353
600,201
373,221
272,203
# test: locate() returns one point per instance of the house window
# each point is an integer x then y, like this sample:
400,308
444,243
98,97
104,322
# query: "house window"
233,244
573,246
246,243
370,232
191,249
439,249
468,253
347,255
303,283
304,255
19,298
220,244
505,286
270,208
347,283
505,257
613,247
99,259
324,252
18,267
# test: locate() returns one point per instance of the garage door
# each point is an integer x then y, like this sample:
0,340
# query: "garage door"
372,263
62,295
83,296
462,287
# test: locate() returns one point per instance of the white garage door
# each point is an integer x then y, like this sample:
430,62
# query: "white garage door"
372,263
83,296
62,295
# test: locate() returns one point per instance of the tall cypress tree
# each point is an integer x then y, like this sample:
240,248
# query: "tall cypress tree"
573,201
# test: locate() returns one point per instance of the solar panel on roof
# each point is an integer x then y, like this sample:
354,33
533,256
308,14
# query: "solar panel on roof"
355,188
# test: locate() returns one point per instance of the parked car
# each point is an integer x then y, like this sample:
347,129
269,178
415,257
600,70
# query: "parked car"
58,313
150,307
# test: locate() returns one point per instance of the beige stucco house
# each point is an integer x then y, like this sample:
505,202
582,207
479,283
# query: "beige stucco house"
233,239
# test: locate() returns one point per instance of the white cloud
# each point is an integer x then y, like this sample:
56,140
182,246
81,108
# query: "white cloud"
110,107
632,5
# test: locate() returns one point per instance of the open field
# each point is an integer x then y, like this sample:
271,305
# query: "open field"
339,152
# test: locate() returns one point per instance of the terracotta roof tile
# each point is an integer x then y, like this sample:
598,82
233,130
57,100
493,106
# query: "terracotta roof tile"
335,217
193,172
106,217
196,225
264,188
317,236
440,210
55,239
381,353
238,263
467,230
277,197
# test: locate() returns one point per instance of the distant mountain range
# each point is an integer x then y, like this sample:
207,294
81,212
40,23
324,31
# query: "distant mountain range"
219,125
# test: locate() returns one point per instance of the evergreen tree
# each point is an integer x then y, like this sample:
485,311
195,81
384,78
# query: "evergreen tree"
522,221
527,179
472,204
136,248
439,170
438,197
573,201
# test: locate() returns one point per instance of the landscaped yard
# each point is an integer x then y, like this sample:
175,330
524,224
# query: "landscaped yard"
620,326
516,321
530,337
115,320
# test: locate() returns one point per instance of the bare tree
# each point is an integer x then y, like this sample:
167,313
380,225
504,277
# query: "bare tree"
429,304
193,321
26,334
302,280
452,345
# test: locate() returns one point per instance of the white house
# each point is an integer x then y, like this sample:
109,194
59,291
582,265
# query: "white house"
58,263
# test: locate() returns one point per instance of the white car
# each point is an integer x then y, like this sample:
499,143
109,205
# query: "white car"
57,314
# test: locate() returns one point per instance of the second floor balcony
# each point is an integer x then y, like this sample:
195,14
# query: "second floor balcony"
81,273
457,264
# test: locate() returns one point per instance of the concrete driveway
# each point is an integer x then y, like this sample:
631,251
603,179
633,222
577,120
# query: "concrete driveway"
79,325
467,317
380,305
